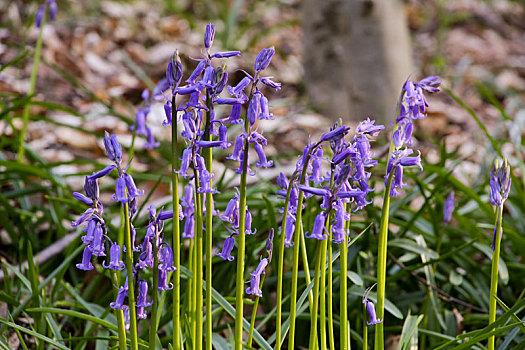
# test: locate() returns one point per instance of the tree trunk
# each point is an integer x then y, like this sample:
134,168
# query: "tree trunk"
356,56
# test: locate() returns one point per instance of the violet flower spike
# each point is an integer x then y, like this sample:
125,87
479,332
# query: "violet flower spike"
227,248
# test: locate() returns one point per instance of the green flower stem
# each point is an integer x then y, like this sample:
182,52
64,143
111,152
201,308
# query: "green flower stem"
209,227
254,314
131,288
198,267
239,288
365,328
304,256
154,319
191,286
295,261
343,286
313,310
322,284
381,263
280,258
494,273
31,91
330,304
176,227
120,316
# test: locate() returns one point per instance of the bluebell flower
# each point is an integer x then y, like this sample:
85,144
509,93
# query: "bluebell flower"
142,302
83,199
317,176
115,262
238,147
335,134
189,226
113,148
97,175
255,280
97,245
163,281
263,59
254,108
121,296
372,313
86,260
231,209
238,90
264,109
319,229
338,229
167,259
174,71
185,164
196,73
262,162
398,160
143,295
40,13
120,191
84,217
235,114
270,83
227,248
248,223
225,54
290,229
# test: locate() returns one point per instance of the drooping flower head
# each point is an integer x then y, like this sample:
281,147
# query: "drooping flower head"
370,308
255,280
227,248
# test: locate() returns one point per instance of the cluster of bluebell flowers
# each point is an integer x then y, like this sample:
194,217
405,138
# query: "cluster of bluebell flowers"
96,231
412,106
203,88
345,182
